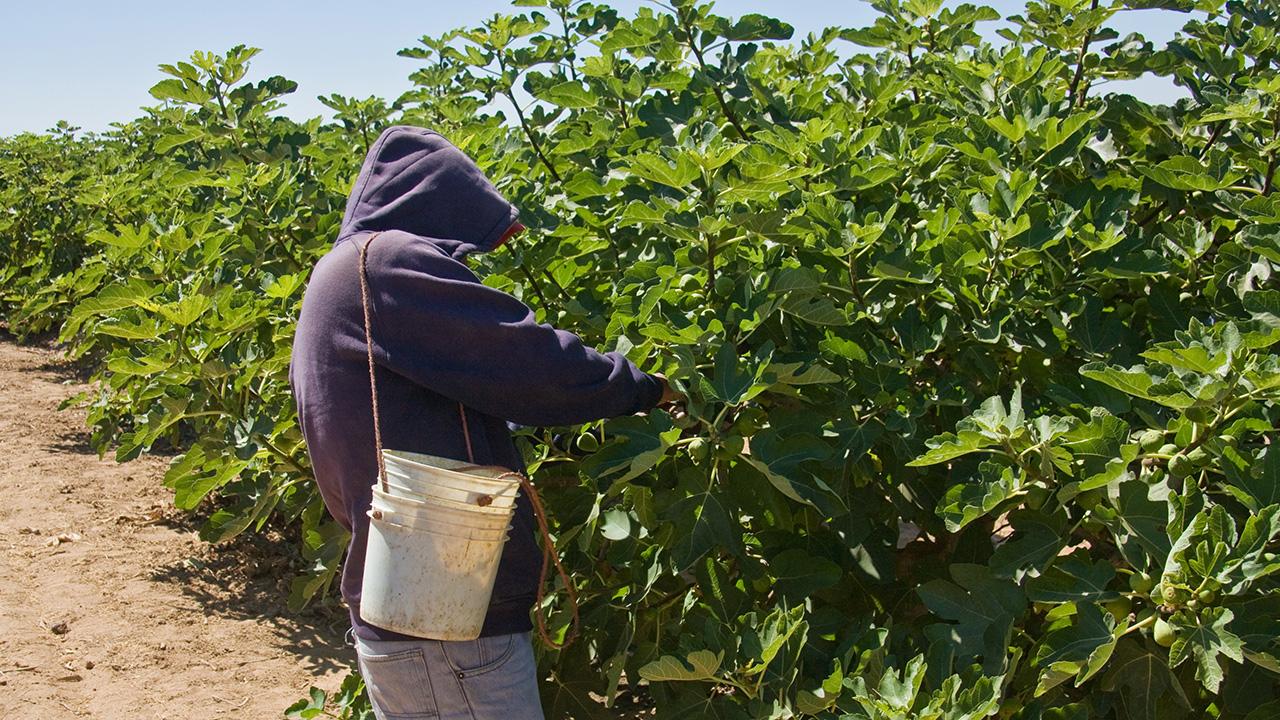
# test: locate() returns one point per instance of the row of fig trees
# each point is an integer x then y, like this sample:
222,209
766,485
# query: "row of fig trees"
979,354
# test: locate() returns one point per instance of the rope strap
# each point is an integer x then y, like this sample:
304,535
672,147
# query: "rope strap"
368,343
549,554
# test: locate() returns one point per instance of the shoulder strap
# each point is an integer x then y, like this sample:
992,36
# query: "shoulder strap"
373,377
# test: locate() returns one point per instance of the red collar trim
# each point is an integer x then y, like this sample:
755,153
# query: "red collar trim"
515,229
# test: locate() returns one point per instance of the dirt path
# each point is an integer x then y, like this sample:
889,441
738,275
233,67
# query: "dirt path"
110,605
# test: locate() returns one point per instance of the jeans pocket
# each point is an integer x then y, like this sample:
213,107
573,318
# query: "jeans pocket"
472,657
399,685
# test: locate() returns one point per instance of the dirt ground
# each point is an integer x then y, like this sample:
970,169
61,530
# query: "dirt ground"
110,605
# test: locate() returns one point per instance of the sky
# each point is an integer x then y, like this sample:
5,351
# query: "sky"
92,63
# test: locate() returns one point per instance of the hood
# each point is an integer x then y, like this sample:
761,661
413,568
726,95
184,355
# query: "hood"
416,181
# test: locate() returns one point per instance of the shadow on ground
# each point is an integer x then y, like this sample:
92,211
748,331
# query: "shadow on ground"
248,578
70,441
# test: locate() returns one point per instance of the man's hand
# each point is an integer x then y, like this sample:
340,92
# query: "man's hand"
669,394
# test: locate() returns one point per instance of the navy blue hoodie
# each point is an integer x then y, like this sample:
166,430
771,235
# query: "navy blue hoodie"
439,338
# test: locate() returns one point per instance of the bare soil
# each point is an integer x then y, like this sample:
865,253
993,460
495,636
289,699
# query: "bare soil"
110,604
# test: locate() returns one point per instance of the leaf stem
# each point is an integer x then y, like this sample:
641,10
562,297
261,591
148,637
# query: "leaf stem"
528,132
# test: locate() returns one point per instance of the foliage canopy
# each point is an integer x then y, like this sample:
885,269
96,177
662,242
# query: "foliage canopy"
980,358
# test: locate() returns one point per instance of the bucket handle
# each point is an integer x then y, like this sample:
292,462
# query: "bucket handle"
549,555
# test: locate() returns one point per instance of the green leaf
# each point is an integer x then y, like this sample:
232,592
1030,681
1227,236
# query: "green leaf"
191,488
703,522
1013,130
754,26
134,293
778,457
699,665
182,137
813,309
1204,639
187,310
1036,541
1074,638
568,94
799,574
184,91
948,446
1073,579
967,502
981,610
616,525
733,383
640,442
1139,382
1187,173
1145,688
657,169
1262,484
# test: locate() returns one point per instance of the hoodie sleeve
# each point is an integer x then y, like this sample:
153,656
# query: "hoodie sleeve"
445,331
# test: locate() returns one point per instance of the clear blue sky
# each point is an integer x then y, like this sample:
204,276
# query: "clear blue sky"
91,63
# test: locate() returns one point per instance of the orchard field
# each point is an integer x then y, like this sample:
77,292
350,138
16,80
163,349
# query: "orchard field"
980,356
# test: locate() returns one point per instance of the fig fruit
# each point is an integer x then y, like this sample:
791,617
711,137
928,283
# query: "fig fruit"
1141,582
588,443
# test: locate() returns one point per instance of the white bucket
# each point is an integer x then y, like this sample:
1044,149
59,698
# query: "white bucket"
417,581
427,584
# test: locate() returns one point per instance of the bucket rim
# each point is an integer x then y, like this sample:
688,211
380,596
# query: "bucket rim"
410,493
492,488
446,504
499,536
489,523
407,457
453,518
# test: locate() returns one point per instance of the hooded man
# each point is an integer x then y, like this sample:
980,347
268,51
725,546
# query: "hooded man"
440,339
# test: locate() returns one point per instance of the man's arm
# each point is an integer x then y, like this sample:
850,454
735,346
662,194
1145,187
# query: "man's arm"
444,330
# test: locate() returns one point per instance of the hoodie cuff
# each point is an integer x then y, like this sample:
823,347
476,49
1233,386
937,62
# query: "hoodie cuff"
493,238
650,392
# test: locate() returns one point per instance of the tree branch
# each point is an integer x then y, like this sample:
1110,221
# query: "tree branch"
715,91
1072,98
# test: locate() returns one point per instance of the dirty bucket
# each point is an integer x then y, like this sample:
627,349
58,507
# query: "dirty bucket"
431,557
427,584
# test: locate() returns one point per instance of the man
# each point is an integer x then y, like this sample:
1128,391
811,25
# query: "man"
440,338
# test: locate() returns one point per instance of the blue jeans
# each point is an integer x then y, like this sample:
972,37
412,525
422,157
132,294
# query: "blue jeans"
493,678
